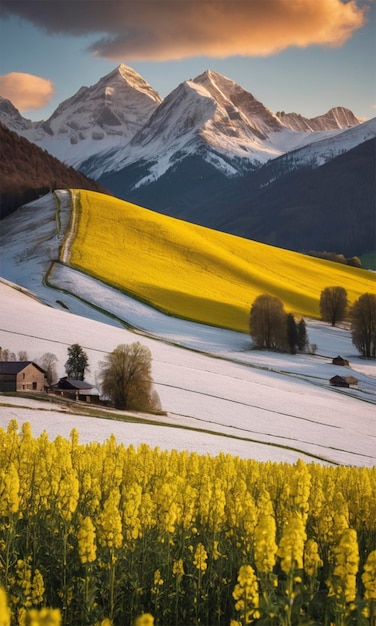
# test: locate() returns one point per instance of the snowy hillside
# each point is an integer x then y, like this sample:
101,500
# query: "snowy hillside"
219,394
254,405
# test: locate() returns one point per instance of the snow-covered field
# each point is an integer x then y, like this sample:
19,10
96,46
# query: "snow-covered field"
219,395
251,404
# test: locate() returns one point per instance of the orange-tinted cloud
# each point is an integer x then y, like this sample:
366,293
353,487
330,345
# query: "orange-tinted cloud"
176,29
26,91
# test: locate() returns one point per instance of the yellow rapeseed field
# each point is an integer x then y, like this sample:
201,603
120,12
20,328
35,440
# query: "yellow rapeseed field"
195,272
101,533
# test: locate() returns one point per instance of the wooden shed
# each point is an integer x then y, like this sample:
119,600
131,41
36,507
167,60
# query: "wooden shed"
343,381
76,390
339,360
22,376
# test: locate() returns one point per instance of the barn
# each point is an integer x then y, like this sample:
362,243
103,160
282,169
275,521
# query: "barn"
76,390
339,360
343,381
22,376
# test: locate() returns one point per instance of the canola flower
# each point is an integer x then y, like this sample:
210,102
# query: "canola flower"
246,595
369,582
265,547
87,548
369,577
312,560
342,582
291,546
200,558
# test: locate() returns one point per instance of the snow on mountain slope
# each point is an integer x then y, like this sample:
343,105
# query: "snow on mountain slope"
108,113
320,152
121,121
12,118
336,118
213,117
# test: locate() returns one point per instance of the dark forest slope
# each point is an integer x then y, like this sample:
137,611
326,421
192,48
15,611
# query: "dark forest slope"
27,172
331,207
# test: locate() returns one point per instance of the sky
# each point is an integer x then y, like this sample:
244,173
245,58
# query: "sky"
305,56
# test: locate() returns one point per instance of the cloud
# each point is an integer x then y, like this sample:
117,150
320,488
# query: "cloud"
26,91
176,29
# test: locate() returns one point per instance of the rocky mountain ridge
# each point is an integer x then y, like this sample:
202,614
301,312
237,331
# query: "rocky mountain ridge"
121,120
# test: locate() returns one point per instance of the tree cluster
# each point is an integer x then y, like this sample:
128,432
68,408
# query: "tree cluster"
334,307
271,328
125,375
353,261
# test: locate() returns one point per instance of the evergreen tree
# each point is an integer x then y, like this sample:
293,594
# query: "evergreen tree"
292,333
77,362
302,336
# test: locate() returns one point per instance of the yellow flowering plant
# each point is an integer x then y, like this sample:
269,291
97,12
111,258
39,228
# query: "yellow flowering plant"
144,531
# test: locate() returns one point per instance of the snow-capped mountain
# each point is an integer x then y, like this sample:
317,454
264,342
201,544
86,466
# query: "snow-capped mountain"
94,119
122,122
338,117
214,118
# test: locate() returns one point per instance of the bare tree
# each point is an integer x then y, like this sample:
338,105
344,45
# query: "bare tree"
48,362
363,325
7,355
126,378
333,304
268,323
22,355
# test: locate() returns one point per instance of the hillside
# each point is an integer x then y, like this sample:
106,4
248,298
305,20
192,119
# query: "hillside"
193,272
27,172
327,207
219,395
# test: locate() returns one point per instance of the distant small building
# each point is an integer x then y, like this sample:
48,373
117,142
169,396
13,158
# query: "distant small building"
22,376
343,381
339,360
76,390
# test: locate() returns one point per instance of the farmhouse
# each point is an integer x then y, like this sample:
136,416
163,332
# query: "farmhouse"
339,360
76,390
343,381
22,376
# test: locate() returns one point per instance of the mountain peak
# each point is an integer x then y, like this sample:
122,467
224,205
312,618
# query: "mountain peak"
11,117
337,118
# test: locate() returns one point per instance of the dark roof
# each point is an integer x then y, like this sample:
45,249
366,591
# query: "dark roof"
71,383
15,367
350,380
